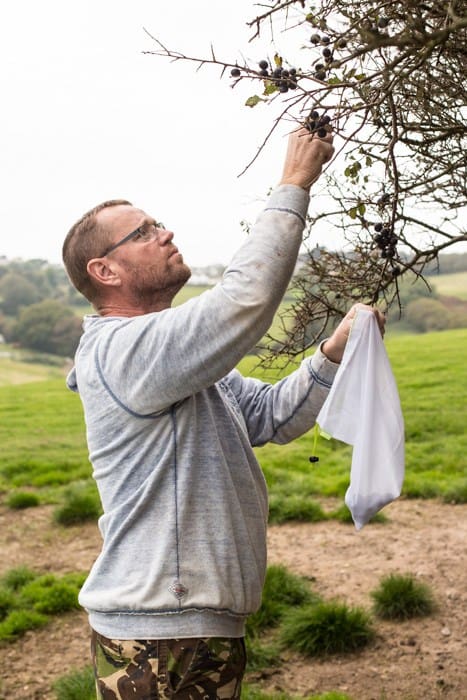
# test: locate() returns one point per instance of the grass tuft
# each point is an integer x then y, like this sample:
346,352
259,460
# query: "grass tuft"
250,692
17,622
326,628
77,685
343,515
28,599
456,492
14,579
23,499
49,595
281,590
81,503
296,507
259,655
401,597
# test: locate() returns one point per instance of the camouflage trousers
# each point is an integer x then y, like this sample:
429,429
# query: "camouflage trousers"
189,669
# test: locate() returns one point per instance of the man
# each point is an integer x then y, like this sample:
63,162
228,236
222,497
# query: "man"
170,428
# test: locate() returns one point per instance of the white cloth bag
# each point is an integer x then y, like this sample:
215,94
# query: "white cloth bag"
363,409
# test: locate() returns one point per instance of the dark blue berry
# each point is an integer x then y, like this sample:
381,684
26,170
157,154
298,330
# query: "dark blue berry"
235,72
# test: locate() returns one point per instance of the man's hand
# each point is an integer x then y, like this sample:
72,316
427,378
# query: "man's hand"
306,155
334,346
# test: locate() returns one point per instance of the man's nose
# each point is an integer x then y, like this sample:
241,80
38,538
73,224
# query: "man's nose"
164,236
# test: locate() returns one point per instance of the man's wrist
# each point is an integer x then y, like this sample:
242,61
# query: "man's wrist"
333,353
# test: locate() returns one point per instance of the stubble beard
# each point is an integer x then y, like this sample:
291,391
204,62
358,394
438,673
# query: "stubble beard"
150,284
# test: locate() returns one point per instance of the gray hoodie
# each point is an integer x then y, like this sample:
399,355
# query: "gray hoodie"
170,429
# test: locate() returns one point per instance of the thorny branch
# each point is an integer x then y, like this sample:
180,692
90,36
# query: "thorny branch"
391,76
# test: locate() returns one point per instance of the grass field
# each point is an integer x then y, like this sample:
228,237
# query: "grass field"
17,372
43,437
453,285
431,374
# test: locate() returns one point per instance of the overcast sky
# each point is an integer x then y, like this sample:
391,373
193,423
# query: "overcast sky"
87,116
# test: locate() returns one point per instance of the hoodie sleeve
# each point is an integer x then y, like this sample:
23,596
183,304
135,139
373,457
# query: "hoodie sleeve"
152,361
282,412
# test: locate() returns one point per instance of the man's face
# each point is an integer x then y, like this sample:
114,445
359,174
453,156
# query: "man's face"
150,263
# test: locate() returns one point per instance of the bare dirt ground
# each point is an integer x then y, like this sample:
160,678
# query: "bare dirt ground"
425,658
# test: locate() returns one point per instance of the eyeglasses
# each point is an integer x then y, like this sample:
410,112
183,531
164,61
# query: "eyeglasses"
145,232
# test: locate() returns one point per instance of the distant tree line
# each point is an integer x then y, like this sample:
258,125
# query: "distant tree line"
40,310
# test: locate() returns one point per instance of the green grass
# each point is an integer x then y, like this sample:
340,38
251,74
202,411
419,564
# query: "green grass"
431,375
76,685
328,627
20,500
28,599
81,503
452,285
281,590
16,371
402,597
250,692
42,434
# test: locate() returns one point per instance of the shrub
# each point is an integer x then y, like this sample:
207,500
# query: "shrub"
401,597
281,590
326,628
23,499
77,685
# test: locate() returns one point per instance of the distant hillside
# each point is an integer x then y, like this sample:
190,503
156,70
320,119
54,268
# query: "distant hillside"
450,285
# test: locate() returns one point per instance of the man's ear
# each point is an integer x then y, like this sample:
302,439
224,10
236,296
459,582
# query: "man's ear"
104,272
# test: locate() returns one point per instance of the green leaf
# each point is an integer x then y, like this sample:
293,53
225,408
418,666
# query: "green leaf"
361,208
348,171
353,213
269,88
368,161
253,101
